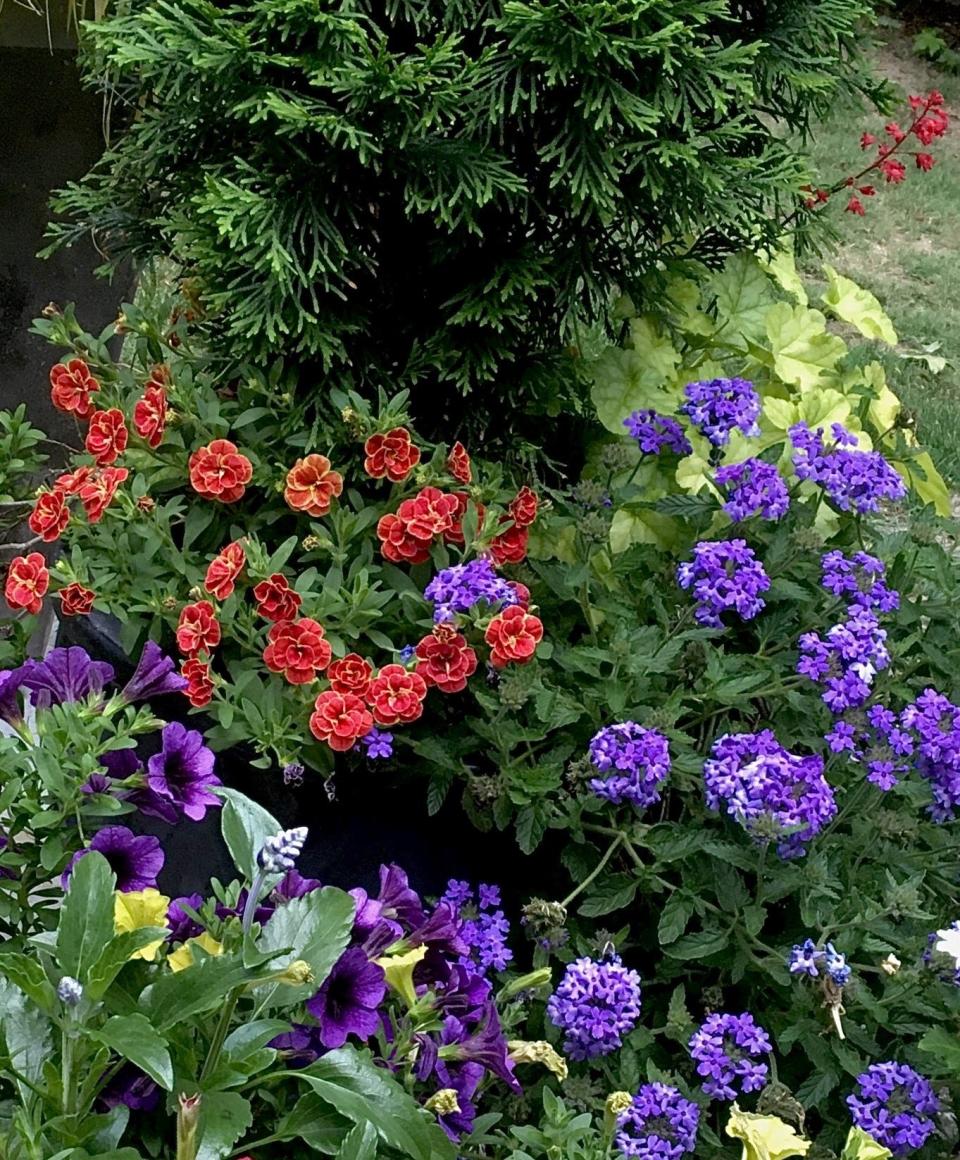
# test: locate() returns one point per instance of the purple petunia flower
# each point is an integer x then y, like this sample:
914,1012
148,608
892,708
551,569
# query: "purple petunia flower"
64,675
154,676
895,1105
635,760
464,1080
877,739
717,406
860,579
483,926
725,1048
754,488
9,696
136,859
398,900
182,925
461,586
660,1124
655,433
846,659
133,1089
300,1046
855,479
347,1002
596,1003
482,1043
180,777
935,721
725,576
378,744
294,885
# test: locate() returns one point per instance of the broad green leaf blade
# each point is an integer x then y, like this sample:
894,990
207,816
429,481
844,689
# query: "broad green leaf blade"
944,1047
860,1146
116,954
29,976
360,1144
804,354
744,294
317,927
245,827
86,917
135,1038
859,307
26,1033
177,996
312,1120
224,1118
625,380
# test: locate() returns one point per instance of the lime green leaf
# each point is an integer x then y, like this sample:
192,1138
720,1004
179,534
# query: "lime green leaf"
927,482
765,1137
781,413
744,296
625,380
782,267
803,352
860,1146
822,407
694,474
134,1037
641,526
29,976
86,917
683,295
859,307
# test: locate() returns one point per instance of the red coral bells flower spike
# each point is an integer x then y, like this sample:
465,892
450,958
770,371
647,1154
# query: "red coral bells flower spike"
523,507
75,600
340,719
407,534
50,516
311,485
198,629
224,569
199,690
513,636
445,659
297,649
924,161
98,489
458,463
396,695
27,582
350,674
393,455
150,414
219,471
71,385
276,600
510,547
893,170
107,436
855,205
866,140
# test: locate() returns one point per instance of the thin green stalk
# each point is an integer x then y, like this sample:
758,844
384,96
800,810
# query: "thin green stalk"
219,1035
592,876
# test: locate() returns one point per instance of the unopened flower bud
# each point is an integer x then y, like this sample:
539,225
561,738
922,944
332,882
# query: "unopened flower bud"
51,310
313,543
121,326
538,1051
188,1120
169,603
146,503
443,1103
293,773
399,972
528,982
890,965
69,991
615,1105
297,974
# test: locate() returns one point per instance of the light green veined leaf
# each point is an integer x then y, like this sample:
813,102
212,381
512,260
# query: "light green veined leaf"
804,354
853,304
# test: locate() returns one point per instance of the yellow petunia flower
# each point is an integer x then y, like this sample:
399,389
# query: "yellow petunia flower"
861,1146
765,1137
182,957
138,908
399,972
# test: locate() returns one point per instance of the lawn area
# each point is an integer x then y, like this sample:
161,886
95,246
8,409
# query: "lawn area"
907,249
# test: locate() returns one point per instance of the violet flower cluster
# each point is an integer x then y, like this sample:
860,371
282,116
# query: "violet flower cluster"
845,659
935,721
726,1049
859,579
807,958
378,744
753,488
635,760
596,1004
853,479
895,1105
461,586
774,794
485,928
876,739
725,576
660,1124
655,433
718,406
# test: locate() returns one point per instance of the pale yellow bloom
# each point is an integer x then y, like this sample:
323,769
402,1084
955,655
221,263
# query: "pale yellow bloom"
444,1102
765,1137
182,957
399,971
538,1051
860,1146
138,908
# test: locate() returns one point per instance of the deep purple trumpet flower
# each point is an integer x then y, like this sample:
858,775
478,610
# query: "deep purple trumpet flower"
9,696
64,675
131,1088
484,1044
347,1002
180,777
136,859
155,675
182,925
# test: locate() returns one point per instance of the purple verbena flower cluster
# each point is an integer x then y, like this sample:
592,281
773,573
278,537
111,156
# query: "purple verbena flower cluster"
895,1105
635,760
855,479
717,406
725,1048
596,1003
484,926
655,433
660,1124
461,586
935,720
774,794
877,739
846,659
860,579
378,744
753,488
725,576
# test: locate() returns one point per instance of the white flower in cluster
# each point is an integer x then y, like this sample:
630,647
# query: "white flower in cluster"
948,943
280,851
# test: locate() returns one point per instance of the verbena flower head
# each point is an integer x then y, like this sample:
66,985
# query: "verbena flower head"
846,659
596,1003
853,479
461,586
725,576
895,1105
136,859
726,1048
774,794
935,721
717,406
660,1124
753,488
877,739
64,675
483,925
635,760
804,959
655,433
180,777
154,676
378,744
859,579
281,851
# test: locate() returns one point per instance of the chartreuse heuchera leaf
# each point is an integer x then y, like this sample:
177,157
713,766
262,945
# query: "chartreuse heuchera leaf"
853,304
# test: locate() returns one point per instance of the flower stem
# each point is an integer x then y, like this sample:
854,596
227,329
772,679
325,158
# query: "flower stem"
594,873
219,1035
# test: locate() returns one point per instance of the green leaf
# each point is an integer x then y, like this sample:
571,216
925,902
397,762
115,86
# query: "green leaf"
698,945
312,1120
86,916
803,352
625,380
135,1038
613,893
28,975
175,997
674,917
317,928
945,1049
349,1081
860,1146
859,307
26,1033
782,267
224,1118
116,954
360,1144
531,826
744,295
245,827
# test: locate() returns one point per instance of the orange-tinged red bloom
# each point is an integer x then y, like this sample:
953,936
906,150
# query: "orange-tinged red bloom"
393,455
454,534
199,690
75,600
297,649
107,436
396,695
71,385
198,629
458,463
523,507
50,516
71,482
350,674
276,600
150,414
224,569
340,719
406,535
513,636
510,547
312,485
27,582
220,471
445,659
98,489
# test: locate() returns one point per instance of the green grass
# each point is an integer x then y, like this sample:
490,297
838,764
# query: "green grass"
907,250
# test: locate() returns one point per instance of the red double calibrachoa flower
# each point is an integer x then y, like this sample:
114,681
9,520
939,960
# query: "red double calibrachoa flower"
396,695
199,690
97,490
406,535
312,485
71,385
350,674
27,582
510,547
393,455
297,649
107,436
276,600
220,471
513,636
340,719
198,629
523,507
445,659
458,463
50,516
75,600
150,414
224,569
454,534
